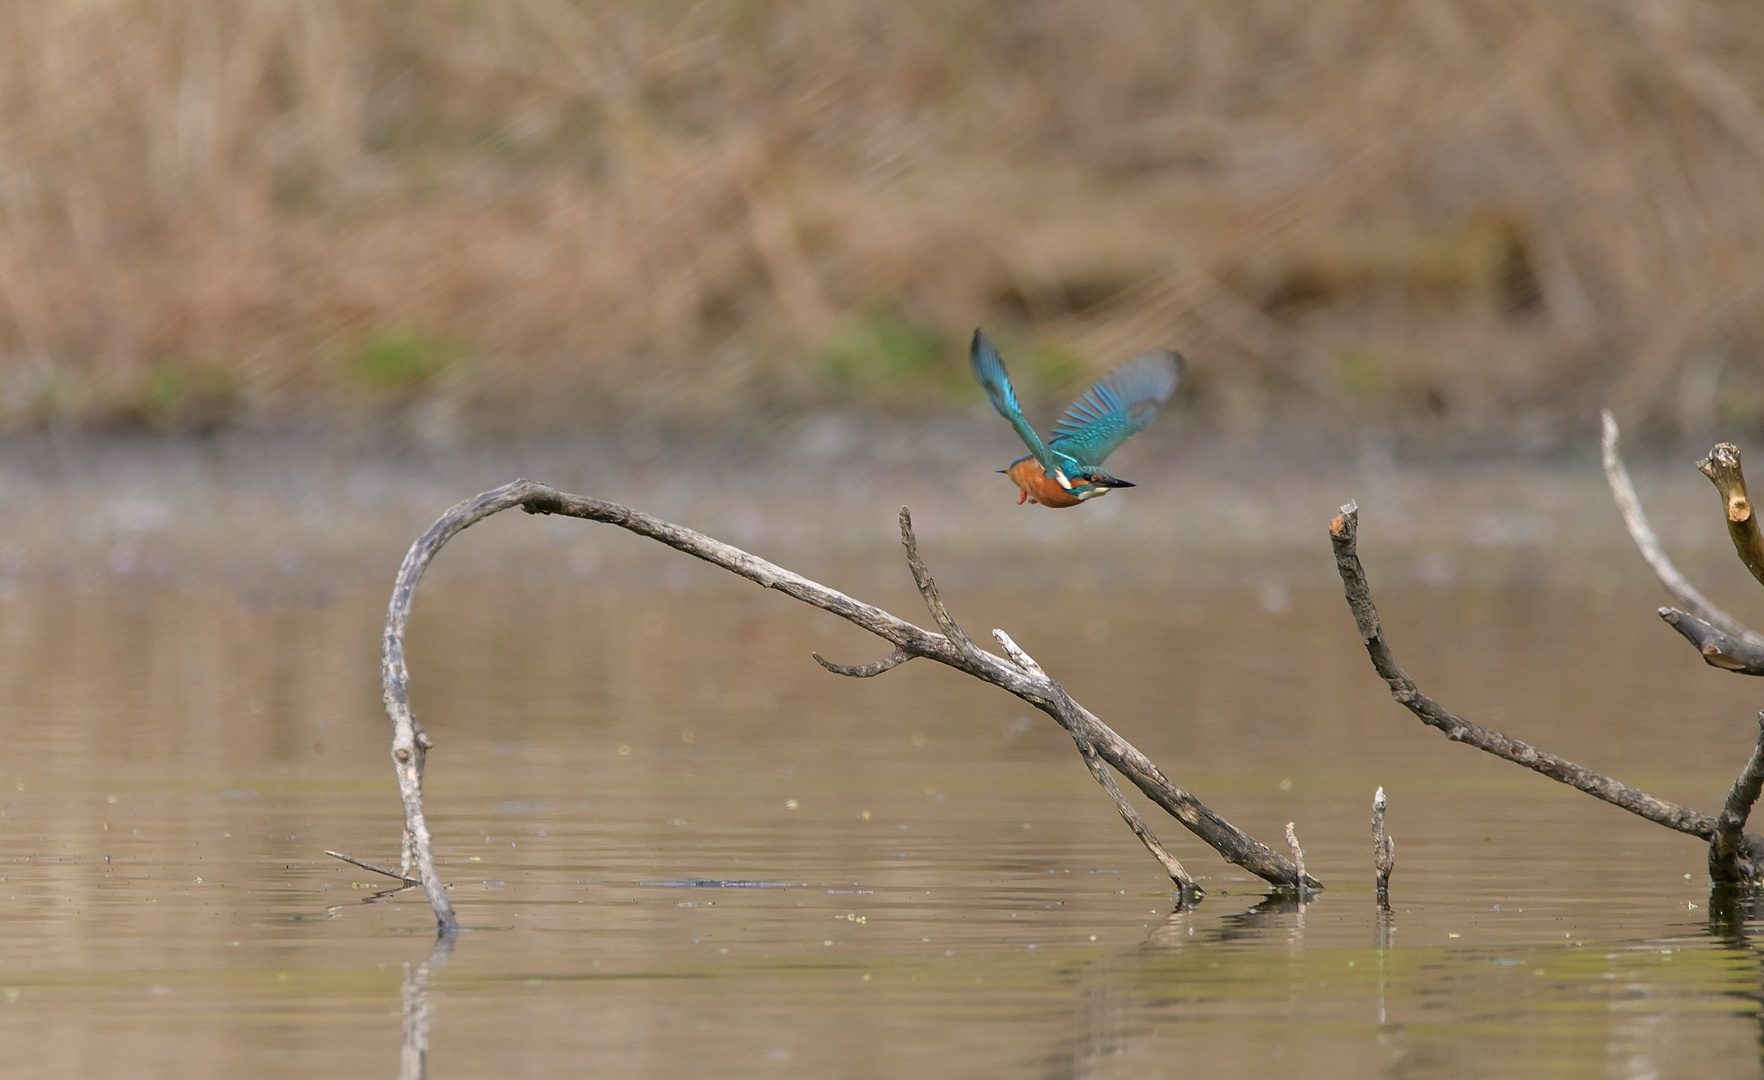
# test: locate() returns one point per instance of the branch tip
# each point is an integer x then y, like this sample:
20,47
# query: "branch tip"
1722,467
1018,656
1342,525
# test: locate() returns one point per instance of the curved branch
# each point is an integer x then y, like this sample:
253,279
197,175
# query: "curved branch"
1724,641
928,588
1342,534
952,648
863,671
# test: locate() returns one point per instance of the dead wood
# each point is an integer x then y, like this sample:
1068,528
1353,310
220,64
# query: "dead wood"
1298,858
1722,467
408,882
1747,853
1020,675
1735,856
1723,641
1383,848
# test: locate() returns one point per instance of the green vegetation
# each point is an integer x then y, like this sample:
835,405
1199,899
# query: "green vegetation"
403,360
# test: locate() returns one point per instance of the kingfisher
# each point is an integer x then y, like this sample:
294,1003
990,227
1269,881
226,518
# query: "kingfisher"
1067,469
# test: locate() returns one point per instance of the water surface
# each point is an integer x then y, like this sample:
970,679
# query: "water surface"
681,848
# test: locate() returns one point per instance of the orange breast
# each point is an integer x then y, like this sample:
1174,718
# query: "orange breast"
1036,484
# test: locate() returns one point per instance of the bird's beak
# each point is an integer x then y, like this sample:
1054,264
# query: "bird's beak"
1113,483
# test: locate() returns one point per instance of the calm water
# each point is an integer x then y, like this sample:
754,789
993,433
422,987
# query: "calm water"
922,878
935,884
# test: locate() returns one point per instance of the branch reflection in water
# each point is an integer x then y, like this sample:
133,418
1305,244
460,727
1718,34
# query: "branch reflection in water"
413,1058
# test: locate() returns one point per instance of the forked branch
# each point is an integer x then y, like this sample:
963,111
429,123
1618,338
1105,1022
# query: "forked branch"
1723,641
1021,676
1741,861
1343,534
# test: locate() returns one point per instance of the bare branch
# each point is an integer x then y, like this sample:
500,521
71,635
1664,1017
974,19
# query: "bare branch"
1735,856
1723,641
863,671
1022,659
1298,856
1383,847
1722,467
1099,769
1629,505
951,648
1342,533
393,874
1742,656
928,588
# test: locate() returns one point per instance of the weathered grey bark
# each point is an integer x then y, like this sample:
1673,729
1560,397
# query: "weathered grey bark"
1739,862
1735,857
952,648
1343,532
1723,641
1718,648
1383,848
1099,769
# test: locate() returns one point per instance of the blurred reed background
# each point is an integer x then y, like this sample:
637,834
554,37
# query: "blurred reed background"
1480,217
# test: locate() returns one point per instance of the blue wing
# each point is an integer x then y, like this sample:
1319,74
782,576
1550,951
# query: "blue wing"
990,370
1121,403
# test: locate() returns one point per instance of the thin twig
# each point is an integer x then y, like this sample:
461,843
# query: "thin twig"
1383,847
951,648
1734,855
1298,857
1016,653
1722,467
1099,769
928,587
393,874
1342,533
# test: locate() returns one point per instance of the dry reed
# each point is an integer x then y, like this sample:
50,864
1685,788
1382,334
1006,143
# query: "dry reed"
1487,210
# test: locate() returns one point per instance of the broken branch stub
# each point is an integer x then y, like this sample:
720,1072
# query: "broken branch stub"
1021,676
1383,847
1723,641
1722,467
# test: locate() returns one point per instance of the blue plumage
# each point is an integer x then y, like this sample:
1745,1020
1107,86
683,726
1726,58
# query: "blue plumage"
1120,404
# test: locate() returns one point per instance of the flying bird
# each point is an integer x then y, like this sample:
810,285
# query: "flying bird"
1067,469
